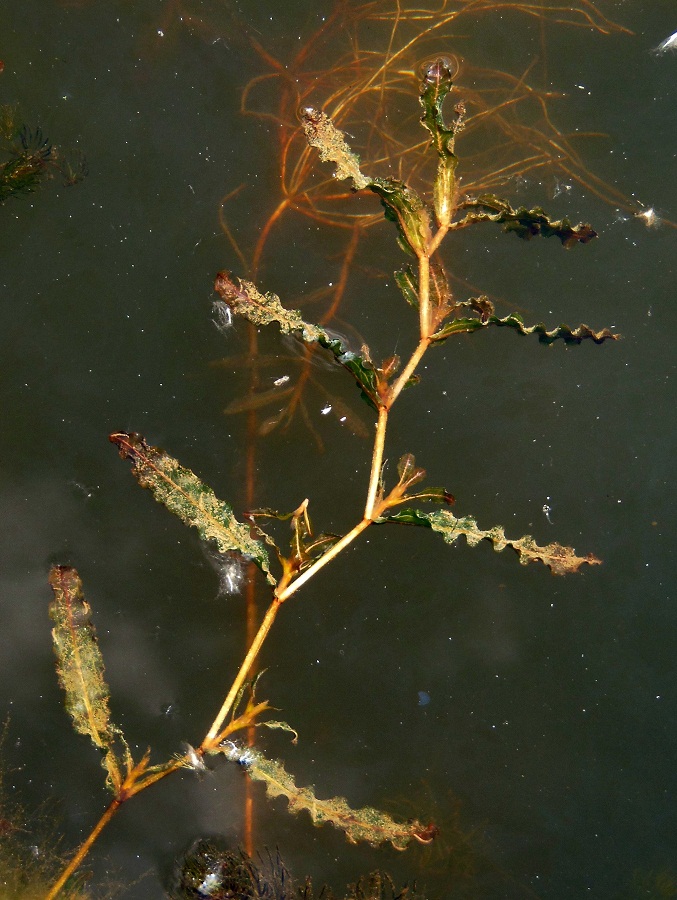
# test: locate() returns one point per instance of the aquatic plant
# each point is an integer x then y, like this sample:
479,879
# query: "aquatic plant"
422,223
31,158
511,140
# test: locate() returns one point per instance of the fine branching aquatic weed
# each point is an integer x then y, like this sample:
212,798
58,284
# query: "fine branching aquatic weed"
422,224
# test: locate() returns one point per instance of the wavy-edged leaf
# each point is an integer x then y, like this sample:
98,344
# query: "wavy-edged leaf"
322,134
182,492
80,670
366,824
525,223
406,209
545,335
559,559
244,299
402,204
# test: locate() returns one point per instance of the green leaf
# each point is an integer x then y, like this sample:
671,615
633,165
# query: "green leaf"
244,299
436,85
546,336
190,499
80,670
407,281
525,223
359,366
402,204
404,207
365,824
560,560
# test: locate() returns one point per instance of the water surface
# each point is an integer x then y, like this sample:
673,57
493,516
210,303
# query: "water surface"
550,710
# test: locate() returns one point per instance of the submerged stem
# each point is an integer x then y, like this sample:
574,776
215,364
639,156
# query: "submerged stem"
424,294
84,849
408,371
376,461
324,559
247,663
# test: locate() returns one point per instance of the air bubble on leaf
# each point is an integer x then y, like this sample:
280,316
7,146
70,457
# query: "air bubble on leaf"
231,569
223,317
437,68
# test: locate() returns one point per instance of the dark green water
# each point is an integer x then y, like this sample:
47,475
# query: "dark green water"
551,714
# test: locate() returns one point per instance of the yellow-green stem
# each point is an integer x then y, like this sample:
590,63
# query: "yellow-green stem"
424,294
407,372
74,864
247,663
325,558
440,234
376,461
266,625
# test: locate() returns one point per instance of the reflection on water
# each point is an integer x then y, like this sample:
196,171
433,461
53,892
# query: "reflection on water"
529,717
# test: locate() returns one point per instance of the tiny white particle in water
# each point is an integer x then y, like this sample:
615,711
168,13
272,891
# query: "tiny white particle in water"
326,409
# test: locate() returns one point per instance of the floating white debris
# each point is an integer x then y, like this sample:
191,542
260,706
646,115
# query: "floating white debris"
280,381
650,217
191,759
326,409
666,46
